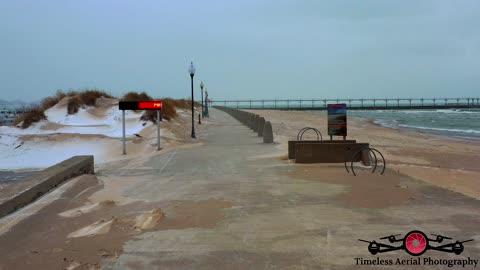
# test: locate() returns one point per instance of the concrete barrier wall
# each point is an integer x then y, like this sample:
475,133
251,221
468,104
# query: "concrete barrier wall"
261,124
326,152
268,133
250,120
292,144
31,188
255,122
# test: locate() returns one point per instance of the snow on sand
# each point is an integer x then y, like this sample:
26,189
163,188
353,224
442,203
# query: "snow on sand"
91,131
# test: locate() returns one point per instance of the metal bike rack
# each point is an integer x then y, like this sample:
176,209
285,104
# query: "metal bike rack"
303,130
348,156
358,150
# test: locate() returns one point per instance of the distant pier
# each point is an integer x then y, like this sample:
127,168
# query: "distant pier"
353,104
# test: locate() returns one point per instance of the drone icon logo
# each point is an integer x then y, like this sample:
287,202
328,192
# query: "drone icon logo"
416,243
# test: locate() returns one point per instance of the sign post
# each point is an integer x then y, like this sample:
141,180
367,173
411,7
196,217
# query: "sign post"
337,120
123,132
158,130
140,105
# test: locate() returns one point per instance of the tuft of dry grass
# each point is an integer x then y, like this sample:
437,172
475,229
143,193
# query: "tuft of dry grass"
134,96
88,97
33,114
73,105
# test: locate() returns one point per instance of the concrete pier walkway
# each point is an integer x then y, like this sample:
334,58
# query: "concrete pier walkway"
232,202
278,215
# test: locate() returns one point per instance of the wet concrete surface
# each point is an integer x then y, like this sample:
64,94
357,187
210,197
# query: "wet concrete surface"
232,202
284,215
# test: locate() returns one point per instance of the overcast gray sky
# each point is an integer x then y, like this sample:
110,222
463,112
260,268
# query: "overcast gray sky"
242,49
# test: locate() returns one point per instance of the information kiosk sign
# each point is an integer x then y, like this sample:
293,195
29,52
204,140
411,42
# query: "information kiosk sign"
337,120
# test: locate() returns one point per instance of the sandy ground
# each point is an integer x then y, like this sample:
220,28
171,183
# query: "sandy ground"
228,201
453,164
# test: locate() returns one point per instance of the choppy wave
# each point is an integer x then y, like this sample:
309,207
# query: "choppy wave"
452,122
447,111
443,129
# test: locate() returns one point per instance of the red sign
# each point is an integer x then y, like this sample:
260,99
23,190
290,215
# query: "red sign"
150,105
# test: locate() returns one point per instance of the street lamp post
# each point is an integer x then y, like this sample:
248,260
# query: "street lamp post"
201,87
191,70
206,103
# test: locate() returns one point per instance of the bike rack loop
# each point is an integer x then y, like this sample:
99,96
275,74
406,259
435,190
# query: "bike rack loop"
371,149
316,131
303,130
349,153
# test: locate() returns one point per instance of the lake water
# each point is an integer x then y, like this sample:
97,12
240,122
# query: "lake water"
464,123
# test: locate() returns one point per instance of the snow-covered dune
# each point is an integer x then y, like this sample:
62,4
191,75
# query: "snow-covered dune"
94,130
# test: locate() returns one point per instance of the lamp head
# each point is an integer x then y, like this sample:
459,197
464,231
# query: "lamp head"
201,85
191,69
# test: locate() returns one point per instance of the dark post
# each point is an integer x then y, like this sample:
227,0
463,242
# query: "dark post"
421,101
361,100
193,111
206,103
374,100
203,110
191,70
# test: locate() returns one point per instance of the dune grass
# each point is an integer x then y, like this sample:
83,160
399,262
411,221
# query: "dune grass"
36,113
88,97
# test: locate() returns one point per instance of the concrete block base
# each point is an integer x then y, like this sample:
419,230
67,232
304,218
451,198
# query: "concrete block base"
27,190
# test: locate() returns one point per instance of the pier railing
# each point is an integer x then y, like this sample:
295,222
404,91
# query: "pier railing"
359,104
